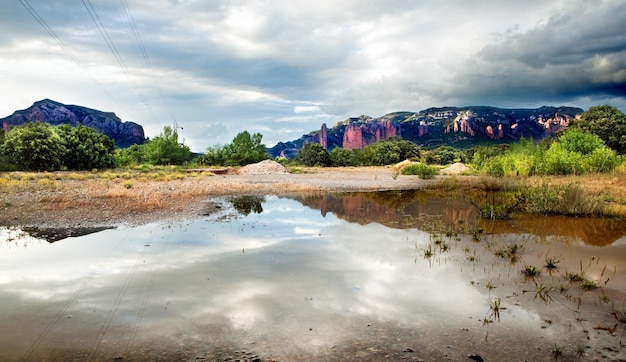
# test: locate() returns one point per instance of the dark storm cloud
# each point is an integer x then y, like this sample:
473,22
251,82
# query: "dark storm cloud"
578,54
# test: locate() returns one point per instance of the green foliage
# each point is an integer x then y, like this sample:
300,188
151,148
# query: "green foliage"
608,123
575,140
130,156
343,157
558,199
165,149
408,149
86,149
34,146
313,154
243,150
573,152
422,170
443,155
386,153
213,157
365,156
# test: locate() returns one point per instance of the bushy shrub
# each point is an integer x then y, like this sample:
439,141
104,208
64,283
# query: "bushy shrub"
420,169
574,152
567,199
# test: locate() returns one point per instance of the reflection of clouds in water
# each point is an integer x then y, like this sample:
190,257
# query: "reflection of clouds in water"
269,274
393,284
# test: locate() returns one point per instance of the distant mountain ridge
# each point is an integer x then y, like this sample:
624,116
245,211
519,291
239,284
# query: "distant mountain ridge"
123,133
455,126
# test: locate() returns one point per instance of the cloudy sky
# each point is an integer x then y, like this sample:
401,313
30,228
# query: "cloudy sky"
284,67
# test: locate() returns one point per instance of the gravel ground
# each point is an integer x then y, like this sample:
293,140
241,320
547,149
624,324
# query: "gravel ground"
88,203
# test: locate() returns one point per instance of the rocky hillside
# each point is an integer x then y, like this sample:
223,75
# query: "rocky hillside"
458,127
123,133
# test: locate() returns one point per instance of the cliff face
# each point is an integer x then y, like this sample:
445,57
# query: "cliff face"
55,113
460,127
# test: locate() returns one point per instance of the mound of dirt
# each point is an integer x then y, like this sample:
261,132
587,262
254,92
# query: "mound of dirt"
266,167
455,169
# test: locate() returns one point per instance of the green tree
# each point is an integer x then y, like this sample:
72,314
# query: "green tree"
608,123
342,157
386,153
313,154
5,165
130,156
443,155
245,149
365,156
408,149
34,146
577,140
213,157
85,148
166,150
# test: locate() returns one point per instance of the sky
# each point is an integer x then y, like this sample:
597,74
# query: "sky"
284,67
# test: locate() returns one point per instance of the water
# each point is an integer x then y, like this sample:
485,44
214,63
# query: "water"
343,278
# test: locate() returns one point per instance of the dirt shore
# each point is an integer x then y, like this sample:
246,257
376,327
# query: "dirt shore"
100,202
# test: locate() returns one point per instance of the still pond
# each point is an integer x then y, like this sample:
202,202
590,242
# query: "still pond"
335,277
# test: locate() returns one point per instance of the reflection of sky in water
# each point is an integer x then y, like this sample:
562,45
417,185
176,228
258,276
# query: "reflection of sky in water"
276,273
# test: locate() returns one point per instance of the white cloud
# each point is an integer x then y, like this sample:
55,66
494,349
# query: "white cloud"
248,64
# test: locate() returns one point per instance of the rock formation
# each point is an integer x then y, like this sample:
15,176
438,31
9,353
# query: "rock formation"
55,113
324,136
358,135
439,126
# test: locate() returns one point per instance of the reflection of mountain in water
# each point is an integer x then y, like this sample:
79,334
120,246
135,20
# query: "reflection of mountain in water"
422,209
55,234
591,231
396,209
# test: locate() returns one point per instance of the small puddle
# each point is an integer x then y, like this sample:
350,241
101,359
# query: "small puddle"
362,276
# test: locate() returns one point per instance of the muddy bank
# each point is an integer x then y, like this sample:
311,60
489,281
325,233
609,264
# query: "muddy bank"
98,202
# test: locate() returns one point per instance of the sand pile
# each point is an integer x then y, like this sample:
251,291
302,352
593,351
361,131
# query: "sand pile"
266,167
455,169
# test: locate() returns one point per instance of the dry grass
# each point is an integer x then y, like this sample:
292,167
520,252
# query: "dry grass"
87,197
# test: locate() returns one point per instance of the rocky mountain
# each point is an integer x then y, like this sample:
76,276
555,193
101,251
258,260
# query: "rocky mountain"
458,127
123,133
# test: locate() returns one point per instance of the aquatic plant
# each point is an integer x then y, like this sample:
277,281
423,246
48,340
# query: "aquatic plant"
542,292
580,351
511,252
530,272
476,235
429,252
495,306
551,263
557,351
574,278
588,285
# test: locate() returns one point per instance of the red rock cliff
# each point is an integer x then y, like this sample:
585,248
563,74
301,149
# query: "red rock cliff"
359,135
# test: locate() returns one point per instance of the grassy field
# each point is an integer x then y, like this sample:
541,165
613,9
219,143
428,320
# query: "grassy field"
29,197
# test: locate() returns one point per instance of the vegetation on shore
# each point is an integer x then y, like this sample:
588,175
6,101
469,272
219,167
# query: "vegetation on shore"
521,173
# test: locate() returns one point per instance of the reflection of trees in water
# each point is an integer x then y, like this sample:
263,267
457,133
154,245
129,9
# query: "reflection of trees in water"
248,203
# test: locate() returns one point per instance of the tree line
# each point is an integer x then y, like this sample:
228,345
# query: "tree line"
594,143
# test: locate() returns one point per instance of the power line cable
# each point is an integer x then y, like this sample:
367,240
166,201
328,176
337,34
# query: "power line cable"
120,60
144,54
65,48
